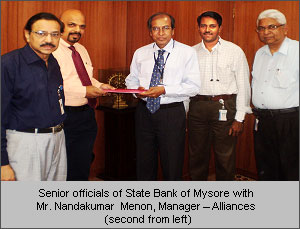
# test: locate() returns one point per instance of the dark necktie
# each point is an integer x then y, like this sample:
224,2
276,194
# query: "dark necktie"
153,104
82,73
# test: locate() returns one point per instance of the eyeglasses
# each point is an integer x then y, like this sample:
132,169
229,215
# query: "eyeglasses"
163,28
44,34
269,27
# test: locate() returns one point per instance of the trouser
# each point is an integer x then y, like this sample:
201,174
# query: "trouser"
163,132
37,156
276,146
206,131
81,131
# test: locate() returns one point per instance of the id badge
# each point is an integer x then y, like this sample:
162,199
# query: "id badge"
61,106
256,124
222,115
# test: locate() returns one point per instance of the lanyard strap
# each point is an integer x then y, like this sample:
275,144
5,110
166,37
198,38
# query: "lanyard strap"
161,71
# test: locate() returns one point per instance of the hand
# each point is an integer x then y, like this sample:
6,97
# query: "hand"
236,128
154,92
94,92
140,95
7,173
106,86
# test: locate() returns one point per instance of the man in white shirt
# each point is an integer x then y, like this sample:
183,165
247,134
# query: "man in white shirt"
169,69
80,124
275,95
217,113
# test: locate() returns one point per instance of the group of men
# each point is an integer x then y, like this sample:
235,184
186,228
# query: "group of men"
48,122
48,96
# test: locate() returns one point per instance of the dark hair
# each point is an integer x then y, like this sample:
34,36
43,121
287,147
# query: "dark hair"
211,14
46,16
158,14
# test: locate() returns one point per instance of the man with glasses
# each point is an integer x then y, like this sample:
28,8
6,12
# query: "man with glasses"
217,113
81,91
32,106
275,95
169,71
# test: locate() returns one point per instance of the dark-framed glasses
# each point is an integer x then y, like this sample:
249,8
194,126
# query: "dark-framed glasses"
43,34
163,28
272,27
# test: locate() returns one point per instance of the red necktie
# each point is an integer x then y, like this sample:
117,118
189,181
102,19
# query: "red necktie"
82,73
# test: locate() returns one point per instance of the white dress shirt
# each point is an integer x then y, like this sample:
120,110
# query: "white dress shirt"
74,91
181,74
225,70
275,83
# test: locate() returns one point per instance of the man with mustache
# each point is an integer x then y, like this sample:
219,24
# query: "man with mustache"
32,106
81,89
275,95
216,115
169,69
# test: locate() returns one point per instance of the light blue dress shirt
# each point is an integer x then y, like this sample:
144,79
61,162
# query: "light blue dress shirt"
181,74
275,82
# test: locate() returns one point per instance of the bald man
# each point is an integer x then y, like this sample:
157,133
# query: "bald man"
80,89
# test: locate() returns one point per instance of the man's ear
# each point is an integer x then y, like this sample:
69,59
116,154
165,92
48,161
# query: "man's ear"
285,29
26,34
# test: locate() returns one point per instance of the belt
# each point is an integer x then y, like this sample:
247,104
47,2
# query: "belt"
53,129
79,108
273,112
164,106
213,97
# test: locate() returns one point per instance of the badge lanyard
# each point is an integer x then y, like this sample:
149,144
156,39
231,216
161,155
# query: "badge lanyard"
161,71
59,91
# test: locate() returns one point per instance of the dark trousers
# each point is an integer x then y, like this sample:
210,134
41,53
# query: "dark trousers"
276,146
163,132
80,130
206,131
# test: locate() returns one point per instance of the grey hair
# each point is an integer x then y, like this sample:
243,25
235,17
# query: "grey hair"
272,13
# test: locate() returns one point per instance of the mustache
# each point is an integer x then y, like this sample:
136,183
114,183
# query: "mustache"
48,44
75,33
207,33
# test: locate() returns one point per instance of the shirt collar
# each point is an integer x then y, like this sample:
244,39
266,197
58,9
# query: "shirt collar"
216,45
167,48
283,48
64,43
30,56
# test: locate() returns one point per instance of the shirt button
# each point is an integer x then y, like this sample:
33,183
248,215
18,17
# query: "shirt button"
261,92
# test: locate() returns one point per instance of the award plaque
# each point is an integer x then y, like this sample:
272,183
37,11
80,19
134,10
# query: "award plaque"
121,98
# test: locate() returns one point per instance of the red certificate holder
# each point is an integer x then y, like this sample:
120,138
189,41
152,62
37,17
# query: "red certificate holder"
122,90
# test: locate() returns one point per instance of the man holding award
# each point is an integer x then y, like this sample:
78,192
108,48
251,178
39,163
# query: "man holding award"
169,69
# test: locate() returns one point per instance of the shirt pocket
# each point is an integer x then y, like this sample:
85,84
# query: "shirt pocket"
283,78
145,72
224,72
